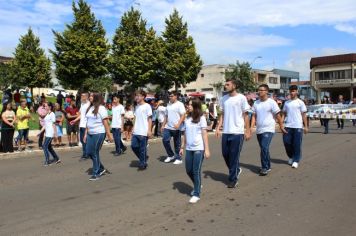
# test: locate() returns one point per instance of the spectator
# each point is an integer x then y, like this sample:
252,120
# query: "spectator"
161,113
7,127
23,115
128,125
60,98
59,114
72,130
17,98
7,97
28,96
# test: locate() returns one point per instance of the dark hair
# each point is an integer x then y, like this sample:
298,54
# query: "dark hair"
127,106
197,111
51,106
233,81
4,107
264,86
142,93
174,93
97,101
293,87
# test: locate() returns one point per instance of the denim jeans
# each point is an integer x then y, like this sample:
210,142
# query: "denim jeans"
81,137
40,139
94,143
231,149
264,140
193,163
326,125
340,122
116,132
167,135
139,147
293,143
48,150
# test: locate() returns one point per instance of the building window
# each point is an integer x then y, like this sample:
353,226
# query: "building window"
190,90
273,80
202,75
207,89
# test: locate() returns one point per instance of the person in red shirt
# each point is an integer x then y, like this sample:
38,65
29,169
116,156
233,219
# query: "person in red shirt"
17,98
72,130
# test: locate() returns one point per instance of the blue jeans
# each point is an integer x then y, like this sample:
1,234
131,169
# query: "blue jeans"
116,132
293,143
326,125
94,143
81,137
231,149
167,135
193,163
139,147
264,140
48,150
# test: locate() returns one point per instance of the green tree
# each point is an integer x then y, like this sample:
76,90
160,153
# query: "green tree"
6,75
136,52
181,61
31,67
243,74
81,52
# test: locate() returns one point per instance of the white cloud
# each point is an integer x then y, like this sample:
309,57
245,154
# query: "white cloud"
347,28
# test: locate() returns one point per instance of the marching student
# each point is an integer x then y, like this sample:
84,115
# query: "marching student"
236,128
195,139
117,124
85,103
174,118
142,129
265,110
295,117
50,132
97,125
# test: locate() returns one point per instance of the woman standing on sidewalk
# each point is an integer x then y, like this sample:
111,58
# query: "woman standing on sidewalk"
59,124
7,127
97,126
195,139
50,132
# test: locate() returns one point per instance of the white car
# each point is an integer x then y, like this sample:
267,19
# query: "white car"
55,92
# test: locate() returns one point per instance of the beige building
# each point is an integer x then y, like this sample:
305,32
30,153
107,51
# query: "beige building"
267,77
208,78
334,75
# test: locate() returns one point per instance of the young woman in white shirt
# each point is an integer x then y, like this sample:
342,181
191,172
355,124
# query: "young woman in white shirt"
195,139
97,127
50,132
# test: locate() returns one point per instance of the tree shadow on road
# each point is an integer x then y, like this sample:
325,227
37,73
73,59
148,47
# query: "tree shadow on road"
216,176
161,158
183,188
89,171
279,161
252,168
134,164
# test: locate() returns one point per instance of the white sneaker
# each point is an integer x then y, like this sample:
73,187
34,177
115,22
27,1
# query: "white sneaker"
295,165
194,199
290,161
177,162
169,159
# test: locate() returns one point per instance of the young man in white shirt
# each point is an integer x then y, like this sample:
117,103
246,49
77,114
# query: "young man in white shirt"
117,124
171,127
142,129
85,103
295,118
265,110
236,128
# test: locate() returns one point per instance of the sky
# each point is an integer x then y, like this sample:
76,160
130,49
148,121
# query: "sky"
266,33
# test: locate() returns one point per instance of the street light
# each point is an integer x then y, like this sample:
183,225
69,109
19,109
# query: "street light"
254,59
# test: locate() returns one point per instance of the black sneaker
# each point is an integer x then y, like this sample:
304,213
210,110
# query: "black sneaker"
102,172
141,168
116,154
123,149
263,172
70,145
233,184
93,178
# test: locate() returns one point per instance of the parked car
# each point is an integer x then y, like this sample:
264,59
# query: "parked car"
54,92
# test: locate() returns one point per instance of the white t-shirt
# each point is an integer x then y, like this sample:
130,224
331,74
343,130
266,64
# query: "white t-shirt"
49,120
294,109
142,112
193,134
83,109
234,108
265,112
161,113
117,113
95,122
174,112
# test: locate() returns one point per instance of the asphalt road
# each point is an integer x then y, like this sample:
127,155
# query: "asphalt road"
319,198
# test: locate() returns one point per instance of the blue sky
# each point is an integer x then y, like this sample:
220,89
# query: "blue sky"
285,34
